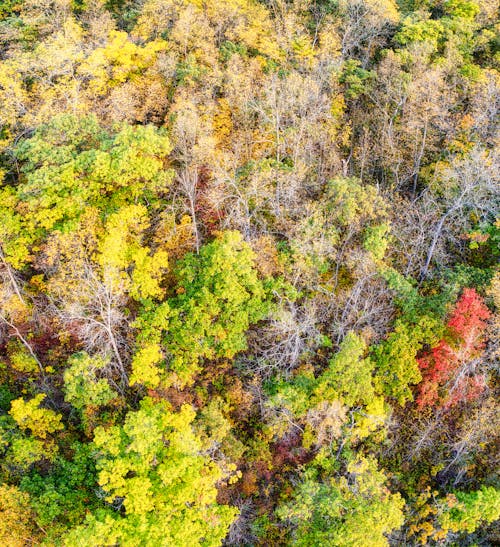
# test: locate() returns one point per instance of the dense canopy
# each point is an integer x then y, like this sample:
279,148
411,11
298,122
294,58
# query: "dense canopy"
249,273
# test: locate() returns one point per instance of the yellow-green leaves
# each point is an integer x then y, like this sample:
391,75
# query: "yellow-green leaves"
145,363
322,402
153,467
121,251
219,295
467,510
83,387
352,510
33,439
349,375
30,415
397,367
71,164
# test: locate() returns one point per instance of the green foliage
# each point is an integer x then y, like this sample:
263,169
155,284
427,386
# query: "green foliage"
396,363
348,376
20,358
219,295
9,9
347,382
472,509
350,213
420,323
353,203
24,452
429,31
184,183
456,30
82,385
152,468
348,511
411,303
356,79
377,240
27,434
228,49
62,498
70,164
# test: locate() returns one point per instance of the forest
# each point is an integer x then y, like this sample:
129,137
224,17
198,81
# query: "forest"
249,273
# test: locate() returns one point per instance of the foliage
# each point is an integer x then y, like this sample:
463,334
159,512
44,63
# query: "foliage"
219,295
446,381
151,468
248,259
16,518
347,382
83,387
72,163
471,508
346,512
30,415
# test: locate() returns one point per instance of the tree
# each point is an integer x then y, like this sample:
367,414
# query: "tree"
61,496
121,250
322,402
365,25
82,385
160,489
349,375
396,362
356,509
448,370
468,183
219,295
29,415
16,517
71,164
28,434
468,509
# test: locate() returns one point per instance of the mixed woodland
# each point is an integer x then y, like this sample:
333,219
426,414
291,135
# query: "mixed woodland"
249,273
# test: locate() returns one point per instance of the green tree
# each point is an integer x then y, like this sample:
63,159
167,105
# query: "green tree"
82,385
348,511
71,164
347,382
219,295
468,510
152,471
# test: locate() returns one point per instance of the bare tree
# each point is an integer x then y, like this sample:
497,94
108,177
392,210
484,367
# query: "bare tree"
95,309
281,343
365,26
470,183
11,286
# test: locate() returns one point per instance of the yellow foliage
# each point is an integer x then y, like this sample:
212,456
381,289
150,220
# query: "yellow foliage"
175,238
40,421
144,366
16,518
118,61
222,122
121,247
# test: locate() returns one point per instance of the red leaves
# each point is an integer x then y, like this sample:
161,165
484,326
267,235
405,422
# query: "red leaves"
469,316
448,369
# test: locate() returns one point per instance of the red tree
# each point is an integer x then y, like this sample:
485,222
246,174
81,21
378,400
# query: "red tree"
448,370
